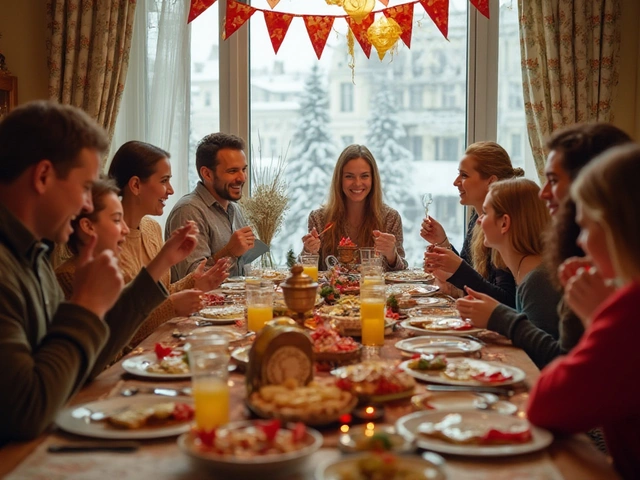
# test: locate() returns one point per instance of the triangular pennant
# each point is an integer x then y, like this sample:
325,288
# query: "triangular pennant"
482,6
403,15
319,28
197,7
385,2
273,3
277,25
360,31
438,10
237,14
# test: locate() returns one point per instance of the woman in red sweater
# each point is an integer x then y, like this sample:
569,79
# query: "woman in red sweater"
596,385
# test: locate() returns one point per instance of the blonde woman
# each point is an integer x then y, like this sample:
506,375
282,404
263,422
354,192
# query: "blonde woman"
513,220
595,384
482,164
356,210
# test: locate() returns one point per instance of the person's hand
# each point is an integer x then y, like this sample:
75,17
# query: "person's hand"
179,245
241,241
98,281
570,267
448,289
186,302
311,241
477,307
585,291
441,262
385,244
211,278
432,231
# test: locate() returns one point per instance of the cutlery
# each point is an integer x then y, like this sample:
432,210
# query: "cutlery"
471,388
95,447
328,227
168,392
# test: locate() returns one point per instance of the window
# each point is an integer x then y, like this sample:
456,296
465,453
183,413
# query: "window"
346,97
516,147
415,97
415,145
447,149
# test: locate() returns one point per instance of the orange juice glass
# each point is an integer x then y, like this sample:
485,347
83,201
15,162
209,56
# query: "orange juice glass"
257,316
372,306
310,265
211,399
259,303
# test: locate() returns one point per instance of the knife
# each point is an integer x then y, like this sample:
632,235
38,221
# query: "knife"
471,388
124,447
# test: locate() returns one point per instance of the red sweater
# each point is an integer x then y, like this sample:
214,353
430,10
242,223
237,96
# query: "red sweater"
597,383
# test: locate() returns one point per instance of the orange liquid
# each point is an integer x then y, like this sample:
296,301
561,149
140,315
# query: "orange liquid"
311,270
257,316
211,398
372,320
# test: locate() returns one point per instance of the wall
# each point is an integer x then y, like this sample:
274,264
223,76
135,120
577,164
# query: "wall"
24,28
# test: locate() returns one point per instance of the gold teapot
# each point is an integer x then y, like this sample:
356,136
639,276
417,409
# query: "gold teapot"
299,291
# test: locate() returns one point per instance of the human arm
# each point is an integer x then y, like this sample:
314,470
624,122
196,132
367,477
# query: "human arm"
433,232
584,291
502,288
392,240
311,242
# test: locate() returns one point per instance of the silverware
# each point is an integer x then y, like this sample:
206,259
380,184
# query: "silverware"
168,392
507,392
95,447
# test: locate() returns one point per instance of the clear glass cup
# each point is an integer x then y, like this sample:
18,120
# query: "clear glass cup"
369,255
209,364
372,306
310,265
259,298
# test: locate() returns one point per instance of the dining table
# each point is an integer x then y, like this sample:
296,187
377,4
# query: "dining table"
568,457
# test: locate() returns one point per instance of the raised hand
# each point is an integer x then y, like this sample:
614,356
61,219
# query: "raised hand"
186,302
98,281
179,245
311,241
585,291
441,262
477,307
570,267
210,279
241,241
432,231
385,243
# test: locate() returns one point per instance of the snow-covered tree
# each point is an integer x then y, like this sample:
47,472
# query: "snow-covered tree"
311,160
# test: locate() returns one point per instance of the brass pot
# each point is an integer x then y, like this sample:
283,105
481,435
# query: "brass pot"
299,291
348,255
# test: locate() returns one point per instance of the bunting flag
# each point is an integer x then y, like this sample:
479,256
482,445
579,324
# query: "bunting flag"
277,26
403,15
273,3
482,6
438,10
319,28
237,14
197,7
359,31
385,2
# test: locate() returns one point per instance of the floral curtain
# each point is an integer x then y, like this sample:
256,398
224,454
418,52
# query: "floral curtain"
570,51
88,54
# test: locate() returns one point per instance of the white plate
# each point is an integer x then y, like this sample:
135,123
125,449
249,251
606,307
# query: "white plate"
231,334
406,324
425,302
434,376
461,401
408,425
408,276
222,314
138,366
77,419
241,355
438,345
415,290
432,469
266,466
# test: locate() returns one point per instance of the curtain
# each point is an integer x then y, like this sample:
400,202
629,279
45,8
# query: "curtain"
570,52
156,106
88,54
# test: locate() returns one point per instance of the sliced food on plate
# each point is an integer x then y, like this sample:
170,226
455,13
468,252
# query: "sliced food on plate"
467,371
375,380
159,414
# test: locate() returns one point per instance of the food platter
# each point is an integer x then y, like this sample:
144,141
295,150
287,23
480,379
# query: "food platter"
140,364
429,466
416,326
464,369
223,314
412,289
375,381
470,422
462,401
438,345
408,276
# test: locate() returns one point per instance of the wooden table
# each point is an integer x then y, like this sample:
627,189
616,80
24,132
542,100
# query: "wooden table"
569,458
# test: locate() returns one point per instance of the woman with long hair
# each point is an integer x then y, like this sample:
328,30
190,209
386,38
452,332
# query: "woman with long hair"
513,219
482,164
143,173
356,210
594,385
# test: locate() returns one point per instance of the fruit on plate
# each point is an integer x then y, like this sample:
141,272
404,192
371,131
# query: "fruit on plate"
454,428
374,378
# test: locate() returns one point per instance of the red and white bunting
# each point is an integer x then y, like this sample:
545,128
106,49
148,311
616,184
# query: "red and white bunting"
277,26
360,32
237,15
319,28
438,10
403,15
197,7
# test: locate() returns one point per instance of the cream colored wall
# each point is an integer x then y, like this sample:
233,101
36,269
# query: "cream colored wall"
626,105
23,43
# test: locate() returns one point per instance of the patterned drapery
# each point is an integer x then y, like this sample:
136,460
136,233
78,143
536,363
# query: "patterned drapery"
88,53
570,52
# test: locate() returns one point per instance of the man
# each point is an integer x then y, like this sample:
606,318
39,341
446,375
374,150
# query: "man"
49,159
222,168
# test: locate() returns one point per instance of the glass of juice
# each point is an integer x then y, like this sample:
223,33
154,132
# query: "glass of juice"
310,265
259,303
372,306
209,361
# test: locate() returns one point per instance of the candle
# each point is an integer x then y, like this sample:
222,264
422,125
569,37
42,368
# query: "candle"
369,412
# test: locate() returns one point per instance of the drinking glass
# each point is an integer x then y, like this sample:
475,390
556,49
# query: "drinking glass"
372,305
310,265
427,199
209,362
259,303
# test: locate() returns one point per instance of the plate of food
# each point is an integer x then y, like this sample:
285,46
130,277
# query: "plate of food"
383,465
232,334
330,348
462,371
433,344
375,381
412,289
223,314
166,364
139,417
440,310
344,316
408,276
255,449
241,355
461,400
473,433
312,404
439,325
232,287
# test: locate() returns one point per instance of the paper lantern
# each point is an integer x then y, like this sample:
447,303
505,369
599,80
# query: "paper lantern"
358,9
384,34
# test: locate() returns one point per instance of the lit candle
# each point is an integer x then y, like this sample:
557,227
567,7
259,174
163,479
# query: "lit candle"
369,412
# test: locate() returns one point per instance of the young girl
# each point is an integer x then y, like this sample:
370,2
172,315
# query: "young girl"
356,210
513,219
143,174
482,164
594,385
